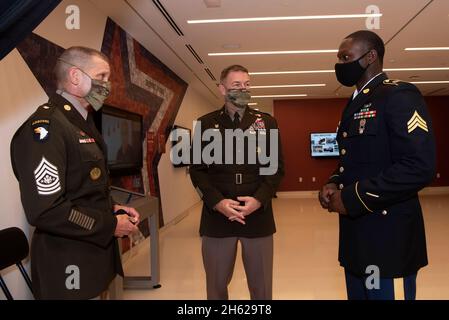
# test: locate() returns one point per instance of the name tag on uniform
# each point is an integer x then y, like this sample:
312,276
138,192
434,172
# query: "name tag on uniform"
87,140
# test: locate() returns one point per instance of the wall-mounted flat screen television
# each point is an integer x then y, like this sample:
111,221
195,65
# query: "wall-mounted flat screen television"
324,145
122,132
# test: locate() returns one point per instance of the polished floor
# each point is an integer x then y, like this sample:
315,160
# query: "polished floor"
305,256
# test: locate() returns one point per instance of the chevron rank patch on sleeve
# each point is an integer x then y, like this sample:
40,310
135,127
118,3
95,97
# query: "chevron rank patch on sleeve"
416,121
47,178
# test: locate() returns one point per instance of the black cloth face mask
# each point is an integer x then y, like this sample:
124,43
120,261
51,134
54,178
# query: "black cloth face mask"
349,73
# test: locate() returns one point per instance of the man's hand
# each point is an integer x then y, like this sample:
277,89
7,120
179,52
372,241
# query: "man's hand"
227,208
251,205
324,196
132,213
124,226
336,203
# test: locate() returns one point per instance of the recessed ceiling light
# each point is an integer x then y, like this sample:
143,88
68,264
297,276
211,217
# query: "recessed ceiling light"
280,96
332,71
212,3
290,72
290,86
429,82
260,19
248,53
427,49
231,46
416,69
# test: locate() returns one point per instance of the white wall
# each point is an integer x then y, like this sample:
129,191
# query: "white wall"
177,192
21,94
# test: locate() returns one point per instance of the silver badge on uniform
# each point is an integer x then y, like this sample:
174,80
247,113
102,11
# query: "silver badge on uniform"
362,126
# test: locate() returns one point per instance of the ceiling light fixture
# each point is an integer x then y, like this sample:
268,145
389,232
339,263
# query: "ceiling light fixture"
260,19
280,96
290,72
290,86
429,82
248,53
427,49
332,71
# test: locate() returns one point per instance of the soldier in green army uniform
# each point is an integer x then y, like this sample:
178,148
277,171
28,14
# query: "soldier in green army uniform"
59,159
237,197
387,154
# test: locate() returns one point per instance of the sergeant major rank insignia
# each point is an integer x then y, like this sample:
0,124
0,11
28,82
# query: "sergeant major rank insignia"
47,178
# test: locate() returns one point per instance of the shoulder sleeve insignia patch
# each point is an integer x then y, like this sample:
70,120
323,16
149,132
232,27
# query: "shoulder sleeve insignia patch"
41,129
416,121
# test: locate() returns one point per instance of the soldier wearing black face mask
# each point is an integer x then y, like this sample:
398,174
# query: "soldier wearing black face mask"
59,159
387,154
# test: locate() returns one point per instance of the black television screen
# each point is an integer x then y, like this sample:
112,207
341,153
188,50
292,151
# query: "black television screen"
324,145
122,132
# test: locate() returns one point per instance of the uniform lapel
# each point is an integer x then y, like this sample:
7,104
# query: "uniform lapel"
363,97
76,119
248,119
223,119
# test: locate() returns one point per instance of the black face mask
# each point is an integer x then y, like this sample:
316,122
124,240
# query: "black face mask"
349,73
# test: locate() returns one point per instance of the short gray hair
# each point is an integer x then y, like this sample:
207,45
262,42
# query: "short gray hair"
75,56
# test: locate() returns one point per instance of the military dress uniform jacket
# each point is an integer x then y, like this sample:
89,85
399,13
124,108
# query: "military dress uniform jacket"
59,161
387,154
215,182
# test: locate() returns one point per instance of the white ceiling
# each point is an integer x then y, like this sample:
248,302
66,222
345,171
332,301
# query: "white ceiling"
411,23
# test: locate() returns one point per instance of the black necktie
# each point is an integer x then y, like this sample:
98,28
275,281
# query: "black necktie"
236,120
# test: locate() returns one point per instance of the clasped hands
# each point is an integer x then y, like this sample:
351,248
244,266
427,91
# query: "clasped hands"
126,223
330,199
236,212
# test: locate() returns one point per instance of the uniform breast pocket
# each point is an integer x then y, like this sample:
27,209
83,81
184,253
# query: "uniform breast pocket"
90,152
93,164
361,144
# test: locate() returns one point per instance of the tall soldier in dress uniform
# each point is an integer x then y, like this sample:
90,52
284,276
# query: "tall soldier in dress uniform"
59,159
237,196
387,154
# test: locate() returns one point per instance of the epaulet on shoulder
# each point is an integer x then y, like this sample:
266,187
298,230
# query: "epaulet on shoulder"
44,110
259,113
211,114
392,82
42,114
399,84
